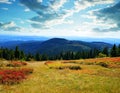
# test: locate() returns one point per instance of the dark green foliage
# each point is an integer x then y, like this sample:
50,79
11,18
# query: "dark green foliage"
101,55
44,57
55,46
114,51
17,53
10,54
105,51
71,67
119,50
37,57
29,57
75,67
22,55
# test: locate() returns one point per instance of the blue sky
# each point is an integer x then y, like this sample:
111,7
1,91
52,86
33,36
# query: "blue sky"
58,18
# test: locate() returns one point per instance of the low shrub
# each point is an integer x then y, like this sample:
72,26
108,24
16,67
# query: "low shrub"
48,62
27,71
101,55
24,63
71,67
61,67
103,64
11,76
74,67
16,64
69,61
14,76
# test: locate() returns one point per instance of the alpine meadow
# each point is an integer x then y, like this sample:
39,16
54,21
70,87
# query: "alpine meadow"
59,46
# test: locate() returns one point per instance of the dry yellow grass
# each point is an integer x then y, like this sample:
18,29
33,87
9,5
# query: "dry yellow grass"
90,79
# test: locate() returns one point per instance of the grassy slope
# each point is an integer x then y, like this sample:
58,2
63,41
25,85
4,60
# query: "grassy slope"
91,79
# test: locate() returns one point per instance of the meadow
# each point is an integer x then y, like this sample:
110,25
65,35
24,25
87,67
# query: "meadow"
99,75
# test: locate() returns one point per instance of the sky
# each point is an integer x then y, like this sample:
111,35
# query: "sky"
59,18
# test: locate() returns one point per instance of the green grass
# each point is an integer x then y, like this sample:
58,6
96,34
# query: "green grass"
90,79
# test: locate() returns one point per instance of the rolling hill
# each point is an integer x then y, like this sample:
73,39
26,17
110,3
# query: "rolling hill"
55,46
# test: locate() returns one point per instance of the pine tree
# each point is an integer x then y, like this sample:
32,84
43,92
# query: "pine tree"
5,54
105,51
114,51
17,53
1,51
91,54
22,55
44,57
12,56
78,55
29,57
37,57
95,52
119,50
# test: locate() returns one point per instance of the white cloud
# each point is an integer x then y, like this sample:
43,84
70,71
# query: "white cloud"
54,12
57,4
109,16
39,1
49,15
27,10
5,1
9,26
4,8
83,4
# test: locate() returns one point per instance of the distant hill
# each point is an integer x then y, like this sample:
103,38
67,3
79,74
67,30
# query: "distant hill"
55,46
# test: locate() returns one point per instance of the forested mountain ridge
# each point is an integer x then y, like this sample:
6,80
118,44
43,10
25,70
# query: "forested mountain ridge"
55,46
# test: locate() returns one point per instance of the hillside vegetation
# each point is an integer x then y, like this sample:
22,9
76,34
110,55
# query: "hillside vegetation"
99,75
54,46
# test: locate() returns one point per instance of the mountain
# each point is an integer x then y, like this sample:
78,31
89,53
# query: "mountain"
5,38
55,46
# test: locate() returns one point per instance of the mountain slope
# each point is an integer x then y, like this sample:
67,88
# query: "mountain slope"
57,45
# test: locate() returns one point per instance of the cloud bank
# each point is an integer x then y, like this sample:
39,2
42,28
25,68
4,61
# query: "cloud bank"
49,13
9,26
54,12
7,1
110,16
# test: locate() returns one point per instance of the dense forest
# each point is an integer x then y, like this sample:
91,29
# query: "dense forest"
17,54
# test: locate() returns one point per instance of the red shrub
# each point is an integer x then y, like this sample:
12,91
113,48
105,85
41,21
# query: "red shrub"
46,63
23,63
14,76
11,76
16,64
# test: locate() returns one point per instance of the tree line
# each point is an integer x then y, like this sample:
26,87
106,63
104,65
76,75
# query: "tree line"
17,54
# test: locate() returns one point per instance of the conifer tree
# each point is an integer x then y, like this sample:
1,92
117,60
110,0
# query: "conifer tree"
119,50
114,51
105,51
37,57
17,53
12,56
